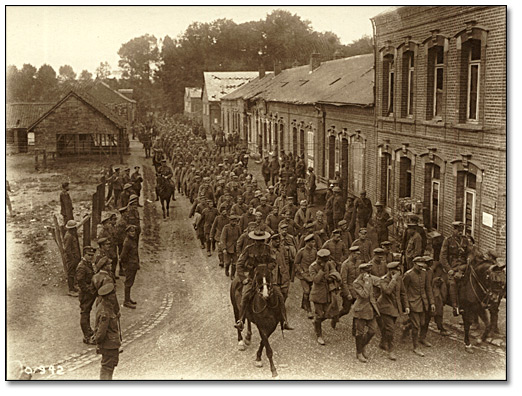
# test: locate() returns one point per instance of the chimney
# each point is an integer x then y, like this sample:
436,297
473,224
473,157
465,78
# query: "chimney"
261,71
315,62
277,67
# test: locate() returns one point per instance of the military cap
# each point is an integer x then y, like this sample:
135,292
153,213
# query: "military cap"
130,227
275,236
106,289
257,193
308,225
364,266
363,231
378,250
336,231
336,189
71,224
283,225
419,260
234,217
354,249
122,209
342,222
270,187
310,169
133,197
323,253
386,243
457,224
309,237
252,224
101,263
102,240
258,235
117,168
65,184
127,169
106,217
126,186
428,258
89,249
378,204
163,160
393,264
262,198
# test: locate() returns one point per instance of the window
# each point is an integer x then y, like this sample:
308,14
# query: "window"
310,148
466,200
405,177
408,74
388,84
337,154
432,195
435,86
386,172
357,181
30,138
473,79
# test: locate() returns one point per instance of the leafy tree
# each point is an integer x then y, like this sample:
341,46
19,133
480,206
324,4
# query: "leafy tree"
46,84
103,71
139,57
66,73
85,77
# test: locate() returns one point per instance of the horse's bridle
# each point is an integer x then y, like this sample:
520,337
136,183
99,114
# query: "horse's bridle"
485,301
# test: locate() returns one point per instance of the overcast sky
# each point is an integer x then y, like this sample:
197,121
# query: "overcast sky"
85,36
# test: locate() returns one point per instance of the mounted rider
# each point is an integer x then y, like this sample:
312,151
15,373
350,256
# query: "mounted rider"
164,174
453,257
257,253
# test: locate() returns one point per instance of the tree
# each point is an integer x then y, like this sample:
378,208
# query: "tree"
103,71
46,84
85,77
139,58
12,84
66,73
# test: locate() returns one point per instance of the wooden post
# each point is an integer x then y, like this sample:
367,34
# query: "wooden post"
59,241
36,159
45,159
95,215
87,232
100,190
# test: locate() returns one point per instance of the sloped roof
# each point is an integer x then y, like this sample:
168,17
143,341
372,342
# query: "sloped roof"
340,82
253,88
193,92
22,115
89,100
105,94
219,84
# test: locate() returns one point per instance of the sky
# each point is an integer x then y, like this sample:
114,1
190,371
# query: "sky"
85,36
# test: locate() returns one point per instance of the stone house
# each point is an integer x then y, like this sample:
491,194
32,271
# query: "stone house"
193,105
118,101
19,116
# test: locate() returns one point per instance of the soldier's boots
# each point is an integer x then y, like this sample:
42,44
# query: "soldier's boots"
334,321
425,343
226,271
359,348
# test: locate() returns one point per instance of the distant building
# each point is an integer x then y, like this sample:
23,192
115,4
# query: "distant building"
441,117
78,124
193,105
324,111
19,116
217,85
117,101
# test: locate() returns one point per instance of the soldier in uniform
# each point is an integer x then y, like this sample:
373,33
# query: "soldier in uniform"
388,254
338,206
349,272
255,254
271,196
71,247
125,177
338,250
420,300
107,331
413,247
130,262
363,209
350,216
215,232
119,233
66,203
136,180
125,195
325,280
165,172
434,275
117,186
244,240
240,207
303,259
263,207
87,294
207,217
302,216
311,186
453,257
108,234
281,274
391,304
365,245
365,310
229,237
133,215
382,222
346,236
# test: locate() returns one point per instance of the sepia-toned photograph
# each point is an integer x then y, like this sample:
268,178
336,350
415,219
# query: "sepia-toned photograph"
256,192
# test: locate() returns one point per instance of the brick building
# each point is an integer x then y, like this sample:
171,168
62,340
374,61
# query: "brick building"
441,117
322,110
79,124
193,105
217,85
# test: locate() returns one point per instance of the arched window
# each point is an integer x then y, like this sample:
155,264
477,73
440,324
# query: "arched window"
405,177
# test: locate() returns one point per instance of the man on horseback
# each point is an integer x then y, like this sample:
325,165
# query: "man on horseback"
453,257
164,175
258,253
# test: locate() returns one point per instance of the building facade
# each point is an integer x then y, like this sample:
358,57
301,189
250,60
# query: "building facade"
192,100
441,117
19,116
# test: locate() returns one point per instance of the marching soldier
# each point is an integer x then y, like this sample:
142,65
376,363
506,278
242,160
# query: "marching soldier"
125,195
108,235
391,304
303,259
349,272
215,232
117,186
281,273
229,237
325,280
338,250
71,247
136,180
365,245
382,222
130,262
363,210
453,257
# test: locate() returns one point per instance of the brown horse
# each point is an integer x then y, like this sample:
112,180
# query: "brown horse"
264,310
